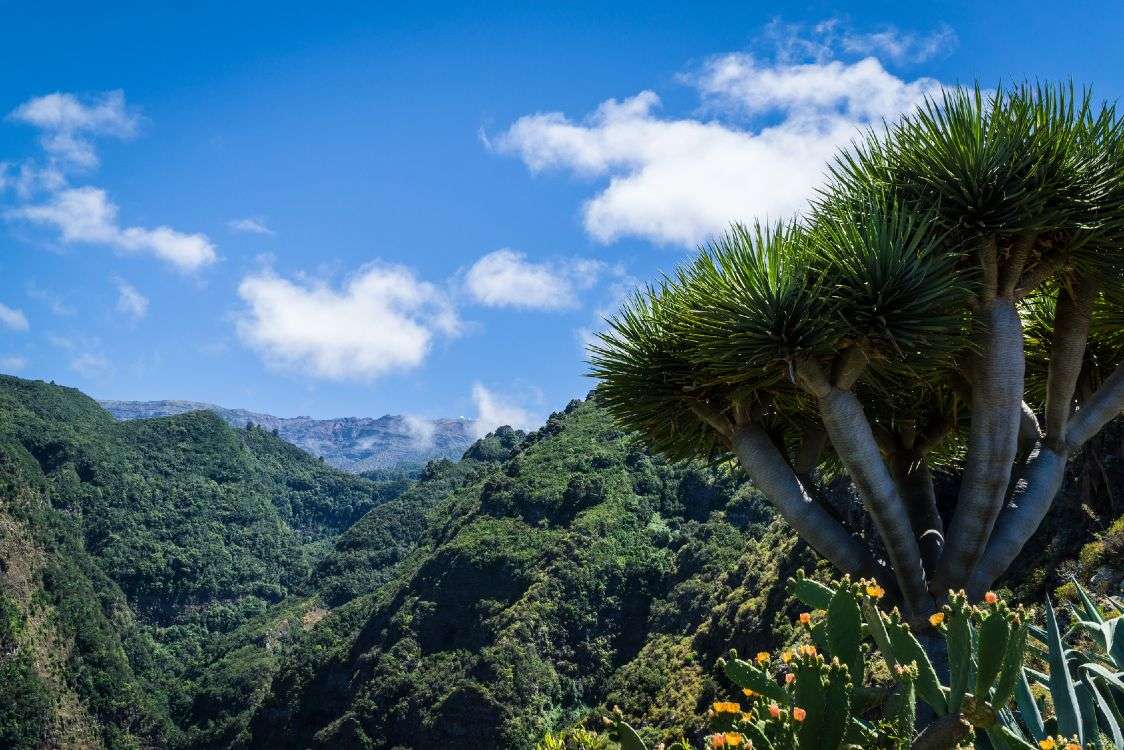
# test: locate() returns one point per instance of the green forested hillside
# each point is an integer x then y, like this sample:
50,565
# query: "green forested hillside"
178,583
126,548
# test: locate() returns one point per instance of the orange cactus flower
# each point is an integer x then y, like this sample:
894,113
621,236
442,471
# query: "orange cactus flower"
809,650
774,710
718,740
805,618
991,597
749,693
1072,746
799,713
936,618
790,678
762,657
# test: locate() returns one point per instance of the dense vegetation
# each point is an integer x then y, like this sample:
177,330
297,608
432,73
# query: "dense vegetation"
180,583
953,297
128,547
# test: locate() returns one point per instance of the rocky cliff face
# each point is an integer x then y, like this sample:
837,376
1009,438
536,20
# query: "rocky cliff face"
355,444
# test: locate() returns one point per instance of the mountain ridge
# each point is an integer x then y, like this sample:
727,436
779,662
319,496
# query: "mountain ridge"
355,444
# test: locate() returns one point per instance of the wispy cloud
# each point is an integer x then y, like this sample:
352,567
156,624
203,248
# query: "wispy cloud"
86,215
130,301
505,278
681,180
12,318
380,320
495,410
68,124
86,357
251,226
54,302
12,363
901,46
90,365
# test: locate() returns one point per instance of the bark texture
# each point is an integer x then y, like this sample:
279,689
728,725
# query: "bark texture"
1032,498
854,443
997,395
773,476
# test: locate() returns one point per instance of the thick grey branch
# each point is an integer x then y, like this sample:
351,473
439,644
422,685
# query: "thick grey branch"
773,476
997,395
1072,318
1034,493
915,482
1097,411
854,443
714,418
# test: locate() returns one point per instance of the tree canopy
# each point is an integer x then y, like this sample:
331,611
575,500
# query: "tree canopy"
953,297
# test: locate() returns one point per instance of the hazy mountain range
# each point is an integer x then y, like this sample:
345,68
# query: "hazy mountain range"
355,444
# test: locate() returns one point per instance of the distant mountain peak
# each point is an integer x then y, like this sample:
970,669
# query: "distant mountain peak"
354,444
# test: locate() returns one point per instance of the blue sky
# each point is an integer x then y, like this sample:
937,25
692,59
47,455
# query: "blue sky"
340,210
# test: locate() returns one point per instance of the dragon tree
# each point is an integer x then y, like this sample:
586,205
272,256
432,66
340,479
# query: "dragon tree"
953,300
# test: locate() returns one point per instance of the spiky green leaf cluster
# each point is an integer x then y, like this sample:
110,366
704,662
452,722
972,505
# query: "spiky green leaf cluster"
886,263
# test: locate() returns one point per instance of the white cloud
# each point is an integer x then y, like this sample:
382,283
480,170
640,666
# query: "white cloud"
68,123
12,318
505,278
494,410
382,319
86,215
901,46
129,300
681,180
422,432
12,363
250,226
90,365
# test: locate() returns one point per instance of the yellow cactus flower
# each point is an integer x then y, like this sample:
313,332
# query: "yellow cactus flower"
809,650
733,739
786,656
762,657
936,618
749,693
1046,744
727,707
875,592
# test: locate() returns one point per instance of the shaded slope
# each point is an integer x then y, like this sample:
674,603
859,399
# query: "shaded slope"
128,548
540,582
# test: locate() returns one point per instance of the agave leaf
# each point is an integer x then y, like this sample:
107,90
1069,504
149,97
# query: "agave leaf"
1062,687
1110,716
1028,709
